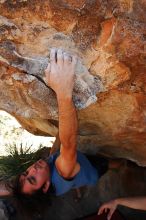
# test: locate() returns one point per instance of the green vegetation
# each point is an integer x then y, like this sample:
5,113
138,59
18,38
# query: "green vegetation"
18,148
17,160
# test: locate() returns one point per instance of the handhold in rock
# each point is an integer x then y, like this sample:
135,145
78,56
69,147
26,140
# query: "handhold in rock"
86,85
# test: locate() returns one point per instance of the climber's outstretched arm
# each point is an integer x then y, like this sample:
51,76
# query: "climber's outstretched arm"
60,77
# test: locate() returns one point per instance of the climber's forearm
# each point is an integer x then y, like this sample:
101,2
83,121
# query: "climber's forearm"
67,124
132,202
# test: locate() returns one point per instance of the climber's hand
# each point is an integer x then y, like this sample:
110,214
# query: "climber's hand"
60,72
112,205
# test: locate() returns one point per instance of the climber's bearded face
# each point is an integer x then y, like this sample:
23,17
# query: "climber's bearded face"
35,177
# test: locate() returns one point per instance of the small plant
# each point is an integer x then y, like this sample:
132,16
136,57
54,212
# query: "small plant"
18,160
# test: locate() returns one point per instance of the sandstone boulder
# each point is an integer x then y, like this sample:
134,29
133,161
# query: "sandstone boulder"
110,88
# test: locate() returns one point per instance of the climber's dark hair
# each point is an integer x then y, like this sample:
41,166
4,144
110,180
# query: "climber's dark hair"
33,203
38,195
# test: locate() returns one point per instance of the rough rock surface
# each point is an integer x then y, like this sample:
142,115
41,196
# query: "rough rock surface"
110,39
